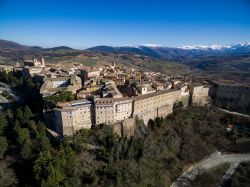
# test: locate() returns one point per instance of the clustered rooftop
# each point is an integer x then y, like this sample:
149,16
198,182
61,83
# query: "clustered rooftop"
117,95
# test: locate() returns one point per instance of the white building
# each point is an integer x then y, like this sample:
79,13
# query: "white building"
104,111
35,62
123,109
54,85
145,88
73,116
91,73
111,110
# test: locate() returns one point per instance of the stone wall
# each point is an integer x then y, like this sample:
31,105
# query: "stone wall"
146,115
154,105
73,116
185,100
200,96
128,127
117,128
121,112
164,111
125,128
233,97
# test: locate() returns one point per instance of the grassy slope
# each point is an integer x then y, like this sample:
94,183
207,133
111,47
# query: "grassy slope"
145,63
232,67
236,68
67,57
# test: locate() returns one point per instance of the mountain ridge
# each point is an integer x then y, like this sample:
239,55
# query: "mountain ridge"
10,45
151,50
180,52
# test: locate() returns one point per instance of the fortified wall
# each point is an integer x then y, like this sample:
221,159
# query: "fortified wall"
120,112
235,97
158,104
200,95
226,95
112,110
73,116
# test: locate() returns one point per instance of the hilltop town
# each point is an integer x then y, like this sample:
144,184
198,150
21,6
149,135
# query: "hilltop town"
131,93
90,122
118,95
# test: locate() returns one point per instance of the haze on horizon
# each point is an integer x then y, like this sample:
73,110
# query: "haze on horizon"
83,24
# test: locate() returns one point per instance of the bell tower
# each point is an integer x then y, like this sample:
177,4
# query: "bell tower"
43,62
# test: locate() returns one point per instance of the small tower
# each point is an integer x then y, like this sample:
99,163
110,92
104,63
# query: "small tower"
113,64
42,62
35,62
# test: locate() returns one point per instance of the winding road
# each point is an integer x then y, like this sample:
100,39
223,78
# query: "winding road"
212,161
235,113
9,89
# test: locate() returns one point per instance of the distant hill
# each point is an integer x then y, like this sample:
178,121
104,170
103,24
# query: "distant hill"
226,62
178,53
34,48
223,62
59,48
225,67
5,44
9,45
155,51
127,50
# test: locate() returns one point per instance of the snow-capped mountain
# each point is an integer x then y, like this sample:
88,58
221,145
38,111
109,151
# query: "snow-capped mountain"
213,47
152,50
180,52
150,45
204,47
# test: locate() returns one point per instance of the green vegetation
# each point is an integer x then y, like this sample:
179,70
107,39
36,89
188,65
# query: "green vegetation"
228,67
89,62
241,176
27,89
210,178
155,156
7,95
167,67
24,146
63,96
7,175
11,78
56,169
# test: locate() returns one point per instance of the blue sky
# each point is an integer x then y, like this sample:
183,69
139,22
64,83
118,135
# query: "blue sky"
86,23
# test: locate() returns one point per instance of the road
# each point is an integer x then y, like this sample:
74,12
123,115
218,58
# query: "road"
4,85
235,113
229,173
4,103
8,88
212,161
3,99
